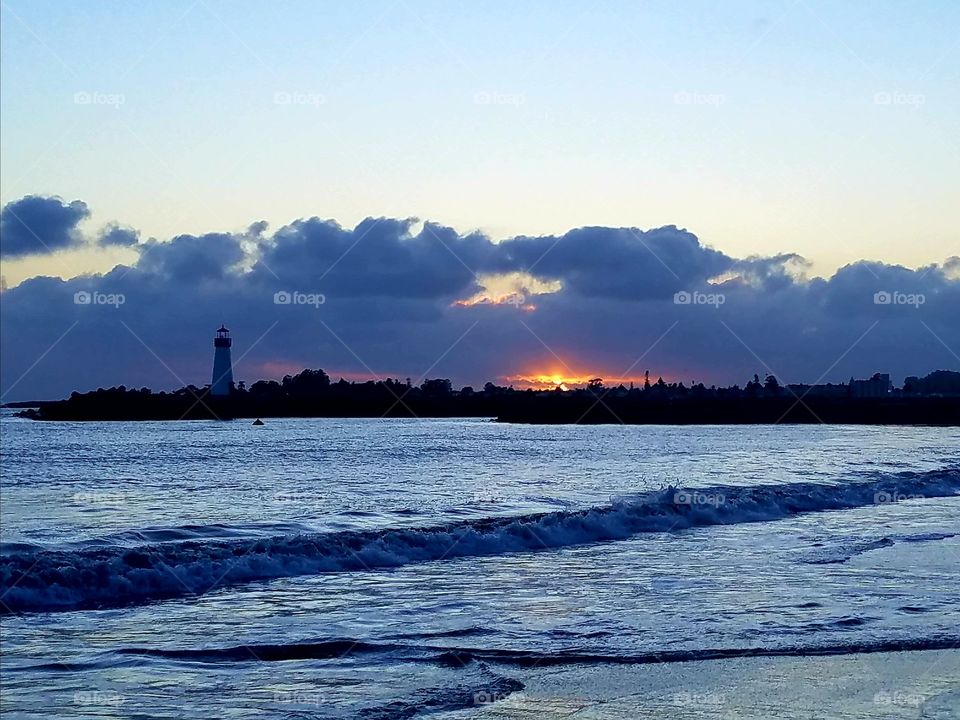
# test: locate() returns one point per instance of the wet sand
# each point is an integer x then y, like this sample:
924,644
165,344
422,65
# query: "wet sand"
923,684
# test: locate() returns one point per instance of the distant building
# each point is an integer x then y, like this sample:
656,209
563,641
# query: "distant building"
939,382
222,382
877,386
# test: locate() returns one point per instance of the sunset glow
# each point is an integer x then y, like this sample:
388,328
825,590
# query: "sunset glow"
515,288
511,299
567,380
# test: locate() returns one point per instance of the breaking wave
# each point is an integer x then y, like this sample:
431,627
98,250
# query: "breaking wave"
36,579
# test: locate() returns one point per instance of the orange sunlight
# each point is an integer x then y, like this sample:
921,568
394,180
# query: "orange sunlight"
553,380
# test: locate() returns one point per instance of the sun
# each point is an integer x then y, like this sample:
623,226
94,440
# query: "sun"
558,381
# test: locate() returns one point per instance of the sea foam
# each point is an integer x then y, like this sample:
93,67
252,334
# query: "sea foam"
105,575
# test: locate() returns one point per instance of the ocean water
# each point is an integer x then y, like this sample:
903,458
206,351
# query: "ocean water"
405,568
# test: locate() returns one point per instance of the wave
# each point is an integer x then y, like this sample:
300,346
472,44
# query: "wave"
105,576
463,656
490,689
842,553
460,657
538,659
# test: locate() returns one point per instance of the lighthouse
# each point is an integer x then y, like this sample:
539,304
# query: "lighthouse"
222,366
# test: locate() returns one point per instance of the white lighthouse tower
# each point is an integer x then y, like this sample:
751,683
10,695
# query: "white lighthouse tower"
222,366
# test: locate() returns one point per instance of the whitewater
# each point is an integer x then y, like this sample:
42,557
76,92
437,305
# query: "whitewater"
115,573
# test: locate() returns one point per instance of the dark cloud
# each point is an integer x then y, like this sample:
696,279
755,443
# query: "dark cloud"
36,225
188,258
624,263
379,257
115,235
629,300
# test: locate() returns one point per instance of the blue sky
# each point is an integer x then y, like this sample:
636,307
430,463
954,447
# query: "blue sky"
755,125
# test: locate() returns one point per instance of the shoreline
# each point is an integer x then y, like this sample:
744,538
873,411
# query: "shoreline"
901,684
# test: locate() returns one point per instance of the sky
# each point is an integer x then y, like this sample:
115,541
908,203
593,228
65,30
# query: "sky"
478,191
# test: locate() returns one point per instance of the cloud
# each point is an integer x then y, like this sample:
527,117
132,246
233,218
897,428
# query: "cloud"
36,225
380,257
115,235
258,228
623,263
397,301
772,272
188,258
952,266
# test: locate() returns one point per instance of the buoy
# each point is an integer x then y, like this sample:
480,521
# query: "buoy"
258,421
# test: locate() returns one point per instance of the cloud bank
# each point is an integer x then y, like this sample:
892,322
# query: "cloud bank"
401,298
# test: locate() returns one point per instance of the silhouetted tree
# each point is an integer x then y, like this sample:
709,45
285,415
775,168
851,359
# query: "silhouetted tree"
307,383
438,387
